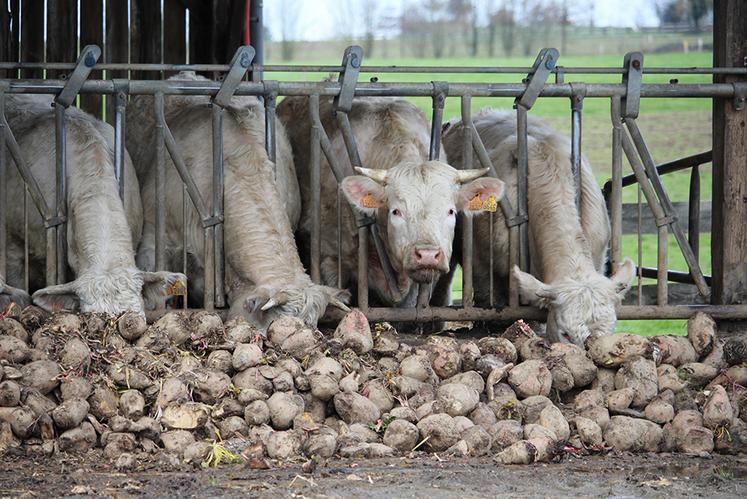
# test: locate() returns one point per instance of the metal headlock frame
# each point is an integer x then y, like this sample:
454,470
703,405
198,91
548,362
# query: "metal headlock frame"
624,97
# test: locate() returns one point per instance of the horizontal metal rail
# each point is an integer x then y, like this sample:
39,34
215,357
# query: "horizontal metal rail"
307,68
664,168
172,87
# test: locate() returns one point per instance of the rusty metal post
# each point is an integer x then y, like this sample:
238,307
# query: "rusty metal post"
160,187
316,192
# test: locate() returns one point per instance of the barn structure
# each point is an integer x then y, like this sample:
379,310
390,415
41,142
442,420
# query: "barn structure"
129,47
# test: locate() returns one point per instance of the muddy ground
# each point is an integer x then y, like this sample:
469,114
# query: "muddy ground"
652,475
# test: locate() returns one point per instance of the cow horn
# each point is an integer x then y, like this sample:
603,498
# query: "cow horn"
270,303
337,303
463,176
376,175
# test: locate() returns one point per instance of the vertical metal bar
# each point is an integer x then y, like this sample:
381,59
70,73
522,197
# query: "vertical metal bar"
615,200
26,239
184,240
661,266
217,208
522,186
693,219
160,193
577,104
363,269
256,28
270,101
316,193
491,298
209,270
119,147
467,236
640,246
61,192
339,236
3,192
439,99
349,138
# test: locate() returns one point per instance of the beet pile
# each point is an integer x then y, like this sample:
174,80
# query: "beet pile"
208,392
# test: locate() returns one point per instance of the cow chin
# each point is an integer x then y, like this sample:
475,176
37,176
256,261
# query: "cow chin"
426,274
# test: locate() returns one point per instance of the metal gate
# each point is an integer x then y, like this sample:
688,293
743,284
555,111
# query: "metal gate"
627,139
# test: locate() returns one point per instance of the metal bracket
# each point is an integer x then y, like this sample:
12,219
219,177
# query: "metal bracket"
239,65
740,95
632,76
541,69
516,220
666,220
83,67
121,90
578,93
351,63
211,221
440,91
270,91
55,221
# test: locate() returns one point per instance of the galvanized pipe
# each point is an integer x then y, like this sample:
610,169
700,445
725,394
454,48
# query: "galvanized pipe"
61,192
440,89
662,264
270,102
363,269
316,193
467,226
693,218
217,207
160,187
209,269
349,138
171,87
615,197
3,191
522,185
119,142
577,105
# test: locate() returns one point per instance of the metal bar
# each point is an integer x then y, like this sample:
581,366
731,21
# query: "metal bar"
615,197
639,261
440,89
181,167
270,102
339,236
3,191
316,193
256,28
217,206
670,167
693,219
662,292
650,166
26,238
349,139
209,268
564,90
467,235
185,302
672,275
25,171
160,187
61,192
306,68
240,63
363,269
577,105
522,185
120,100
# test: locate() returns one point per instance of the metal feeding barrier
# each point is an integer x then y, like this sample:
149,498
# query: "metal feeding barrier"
627,139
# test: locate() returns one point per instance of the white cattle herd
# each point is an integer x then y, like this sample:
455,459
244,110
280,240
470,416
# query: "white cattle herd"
414,202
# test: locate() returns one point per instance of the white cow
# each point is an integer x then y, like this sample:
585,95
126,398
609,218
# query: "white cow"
100,234
415,201
567,252
264,275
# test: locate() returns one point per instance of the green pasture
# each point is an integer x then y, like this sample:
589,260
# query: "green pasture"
673,128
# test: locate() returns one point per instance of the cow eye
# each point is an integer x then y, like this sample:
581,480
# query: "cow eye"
396,212
452,211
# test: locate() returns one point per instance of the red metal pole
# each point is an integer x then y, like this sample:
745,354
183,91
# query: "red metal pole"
247,18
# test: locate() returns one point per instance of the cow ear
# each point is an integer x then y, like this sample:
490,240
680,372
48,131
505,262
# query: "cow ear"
481,195
365,194
623,277
157,286
533,290
10,295
56,298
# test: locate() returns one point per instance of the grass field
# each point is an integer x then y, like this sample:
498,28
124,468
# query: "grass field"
673,128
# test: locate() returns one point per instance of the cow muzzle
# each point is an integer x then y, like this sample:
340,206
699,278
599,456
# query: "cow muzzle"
426,263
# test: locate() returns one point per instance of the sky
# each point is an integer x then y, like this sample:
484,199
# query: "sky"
322,19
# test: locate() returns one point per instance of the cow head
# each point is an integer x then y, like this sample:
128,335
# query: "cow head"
577,309
111,292
306,301
417,204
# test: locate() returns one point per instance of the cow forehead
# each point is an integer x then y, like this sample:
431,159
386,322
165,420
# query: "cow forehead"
415,183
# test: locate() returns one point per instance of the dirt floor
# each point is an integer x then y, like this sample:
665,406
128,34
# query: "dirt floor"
619,476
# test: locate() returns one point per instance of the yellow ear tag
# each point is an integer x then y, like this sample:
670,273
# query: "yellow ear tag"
369,201
475,204
177,289
490,204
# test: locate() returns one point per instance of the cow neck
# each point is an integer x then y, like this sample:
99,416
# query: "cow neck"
558,237
259,244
